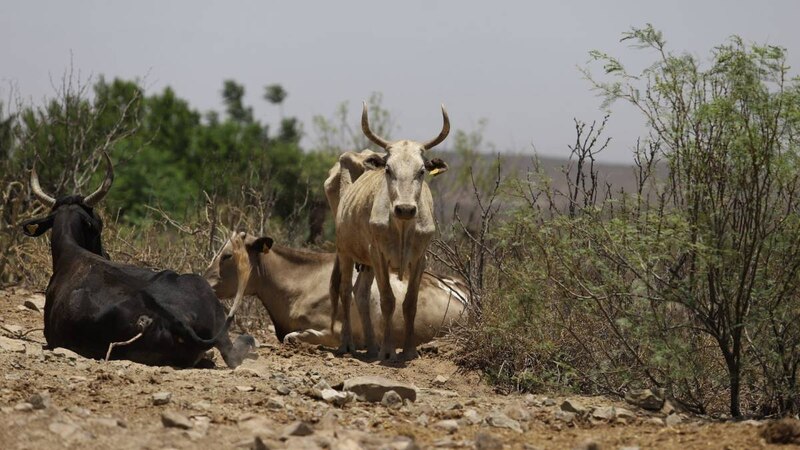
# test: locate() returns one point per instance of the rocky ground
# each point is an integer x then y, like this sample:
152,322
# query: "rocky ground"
304,398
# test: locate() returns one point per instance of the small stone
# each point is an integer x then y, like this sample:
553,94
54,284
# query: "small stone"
564,416
275,403
283,390
298,428
23,407
625,413
392,400
337,398
104,422
69,431
500,420
372,388
472,417
450,425
488,441
573,407
440,380
66,353
655,421
40,400
588,445
161,398
11,345
645,399
172,419
604,413
548,402
518,413
245,388
80,412
672,420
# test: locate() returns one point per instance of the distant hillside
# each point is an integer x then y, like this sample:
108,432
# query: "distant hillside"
453,190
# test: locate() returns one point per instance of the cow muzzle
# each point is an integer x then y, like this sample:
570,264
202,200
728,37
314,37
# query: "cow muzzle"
405,211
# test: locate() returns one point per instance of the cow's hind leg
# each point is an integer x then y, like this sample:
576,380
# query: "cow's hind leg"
346,293
363,303
410,308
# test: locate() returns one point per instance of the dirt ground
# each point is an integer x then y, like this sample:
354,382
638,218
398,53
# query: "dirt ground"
55,399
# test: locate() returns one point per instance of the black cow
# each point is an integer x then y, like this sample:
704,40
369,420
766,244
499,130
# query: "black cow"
92,302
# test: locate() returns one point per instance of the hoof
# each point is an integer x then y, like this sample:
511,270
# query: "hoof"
410,353
345,349
388,355
372,352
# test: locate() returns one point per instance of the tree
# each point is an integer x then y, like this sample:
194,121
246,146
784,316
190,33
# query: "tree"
275,94
729,134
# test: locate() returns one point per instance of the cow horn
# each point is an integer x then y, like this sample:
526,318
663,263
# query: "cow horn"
98,195
37,189
368,133
443,134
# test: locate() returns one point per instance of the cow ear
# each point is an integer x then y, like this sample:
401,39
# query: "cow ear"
36,227
435,166
262,244
375,162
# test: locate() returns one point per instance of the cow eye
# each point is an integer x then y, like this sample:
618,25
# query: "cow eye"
226,257
421,172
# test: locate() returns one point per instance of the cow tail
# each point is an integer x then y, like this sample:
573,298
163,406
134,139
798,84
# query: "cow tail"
336,280
185,329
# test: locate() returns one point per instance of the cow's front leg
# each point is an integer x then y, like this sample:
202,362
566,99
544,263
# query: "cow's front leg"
363,303
388,350
346,293
410,308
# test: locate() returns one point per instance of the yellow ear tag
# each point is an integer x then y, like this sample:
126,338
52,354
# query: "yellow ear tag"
435,172
32,227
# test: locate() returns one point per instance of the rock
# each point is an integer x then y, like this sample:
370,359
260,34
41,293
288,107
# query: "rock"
604,413
104,422
23,407
573,407
440,380
336,398
40,400
518,413
283,390
783,431
298,428
172,419
13,329
672,420
372,388
488,441
645,399
346,444
161,398
392,400
245,388
35,302
500,420
321,385
265,443
301,443
625,413
69,432
630,447
423,420
655,421
450,425
472,417
588,445
548,402
564,416
11,345
80,412
275,403
66,353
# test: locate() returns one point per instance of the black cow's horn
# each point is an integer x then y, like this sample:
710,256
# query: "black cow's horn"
98,195
443,134
368,133
37,189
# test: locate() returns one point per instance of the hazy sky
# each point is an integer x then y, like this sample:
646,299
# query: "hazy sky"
513,63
